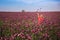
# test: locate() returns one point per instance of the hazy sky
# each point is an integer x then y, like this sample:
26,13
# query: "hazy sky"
29,5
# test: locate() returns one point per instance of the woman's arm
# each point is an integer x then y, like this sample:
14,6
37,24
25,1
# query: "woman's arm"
38,14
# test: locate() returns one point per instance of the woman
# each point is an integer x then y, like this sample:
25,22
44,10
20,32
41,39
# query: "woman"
40,18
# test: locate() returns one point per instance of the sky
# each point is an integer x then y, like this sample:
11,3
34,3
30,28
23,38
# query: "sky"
29,5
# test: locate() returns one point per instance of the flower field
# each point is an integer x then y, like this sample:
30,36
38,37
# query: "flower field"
27,26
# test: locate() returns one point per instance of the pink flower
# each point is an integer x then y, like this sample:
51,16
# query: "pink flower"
12,37
21,35
41,29
46,35
33,30
27,25
18,23
28,37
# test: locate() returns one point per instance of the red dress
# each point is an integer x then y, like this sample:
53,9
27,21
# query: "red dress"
40,20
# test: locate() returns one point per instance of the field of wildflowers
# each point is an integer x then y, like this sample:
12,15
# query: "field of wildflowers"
28,27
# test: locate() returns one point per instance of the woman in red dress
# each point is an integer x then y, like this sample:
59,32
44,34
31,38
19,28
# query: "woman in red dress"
40,18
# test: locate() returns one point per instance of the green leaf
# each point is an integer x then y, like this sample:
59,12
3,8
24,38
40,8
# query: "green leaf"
1,23
17,38
6,32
